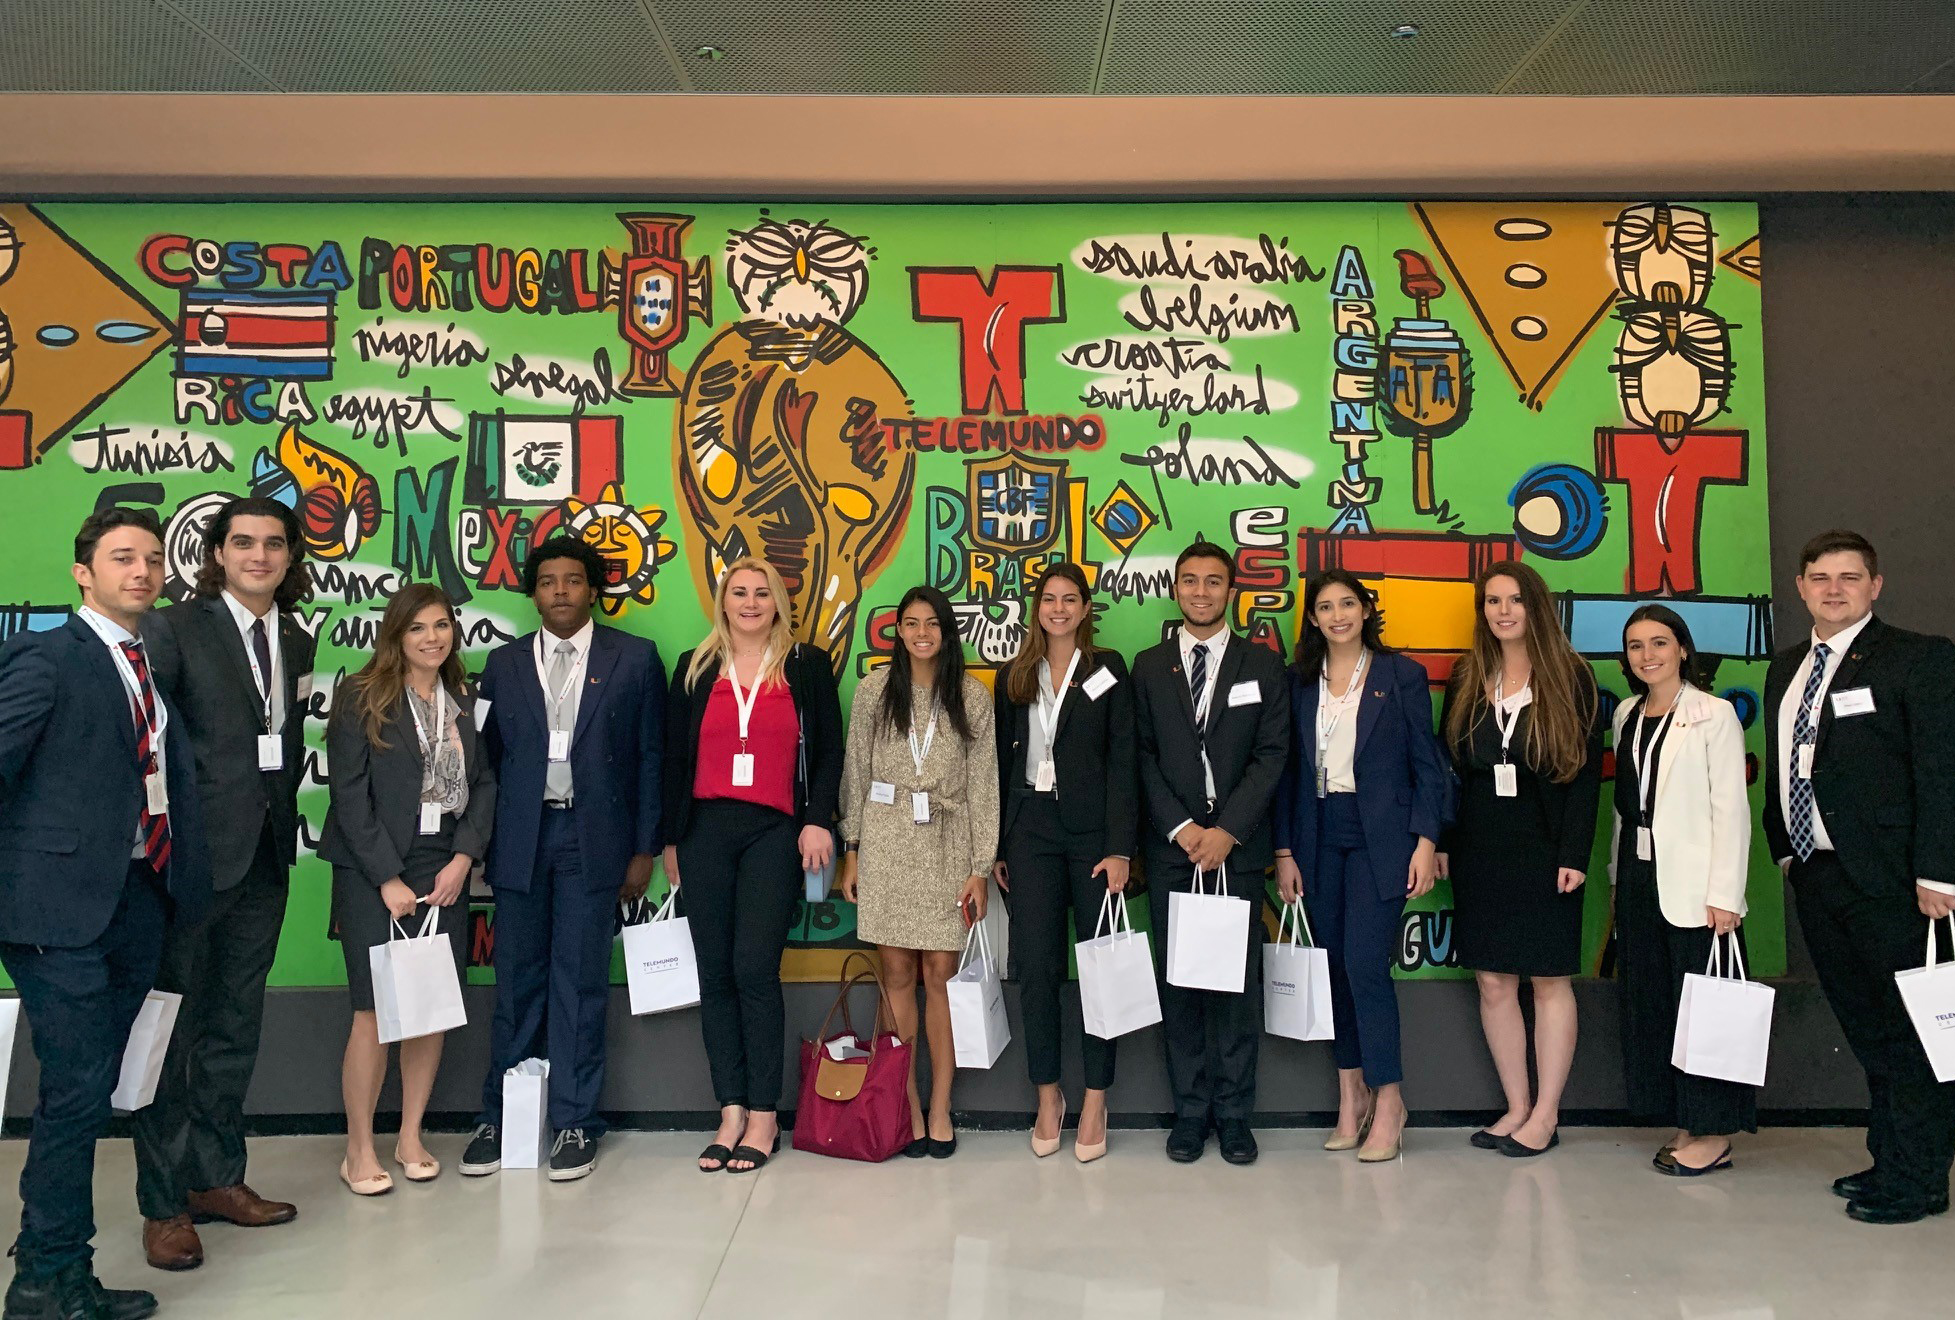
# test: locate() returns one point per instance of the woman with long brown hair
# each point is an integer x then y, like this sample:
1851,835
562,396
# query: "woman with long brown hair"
753,767
1068,779
413,798
1521,721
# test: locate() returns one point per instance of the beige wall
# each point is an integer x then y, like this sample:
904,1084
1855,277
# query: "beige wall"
690,146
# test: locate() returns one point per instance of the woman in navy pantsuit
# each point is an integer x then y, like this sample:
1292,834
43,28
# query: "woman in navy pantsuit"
1358,819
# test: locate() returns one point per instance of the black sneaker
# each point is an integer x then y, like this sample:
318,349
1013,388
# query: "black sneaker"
74,1294
484,1153
121,1303
573,1156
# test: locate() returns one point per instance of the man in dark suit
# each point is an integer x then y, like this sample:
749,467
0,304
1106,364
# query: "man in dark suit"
1214,722
575,728
1860,813
101,846
236,665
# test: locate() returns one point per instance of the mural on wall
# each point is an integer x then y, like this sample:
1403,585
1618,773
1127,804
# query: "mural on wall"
876,396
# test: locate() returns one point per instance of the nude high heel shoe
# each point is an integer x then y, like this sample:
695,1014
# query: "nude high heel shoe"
1335,1142
1044,1146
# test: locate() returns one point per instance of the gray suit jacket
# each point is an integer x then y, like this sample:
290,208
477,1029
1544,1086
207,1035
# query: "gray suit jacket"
376,795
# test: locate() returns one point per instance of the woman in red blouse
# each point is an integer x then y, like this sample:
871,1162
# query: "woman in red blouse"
753,765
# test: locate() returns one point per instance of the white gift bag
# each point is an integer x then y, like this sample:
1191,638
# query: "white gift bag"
1208,937
9,1028
979,1027
142,1057
526,1115
1117,990
1724,1022
416,989
1296,981
661,967
1929,993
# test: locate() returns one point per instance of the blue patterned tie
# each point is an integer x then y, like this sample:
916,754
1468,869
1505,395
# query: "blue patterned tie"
1198,677
1800,825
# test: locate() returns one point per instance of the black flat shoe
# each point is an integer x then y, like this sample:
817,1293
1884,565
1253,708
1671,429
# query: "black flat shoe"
1521,1151
943,1150
1483,1140
1856,1186
715,1152
1669,1165
756,1158
917,1149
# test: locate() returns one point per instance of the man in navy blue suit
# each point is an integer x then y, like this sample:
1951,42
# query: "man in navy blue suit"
101,846
576,726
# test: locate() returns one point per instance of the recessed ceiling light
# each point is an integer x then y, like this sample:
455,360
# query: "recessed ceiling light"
1404,31
714,53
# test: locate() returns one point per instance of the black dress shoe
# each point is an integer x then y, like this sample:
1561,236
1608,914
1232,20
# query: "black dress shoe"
121,1303
1856,1186
1879,1209
1508,1146
1238,1143
75,1294
1187,1139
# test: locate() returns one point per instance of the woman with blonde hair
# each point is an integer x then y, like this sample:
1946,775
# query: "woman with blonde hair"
753,766
412,803
1521,720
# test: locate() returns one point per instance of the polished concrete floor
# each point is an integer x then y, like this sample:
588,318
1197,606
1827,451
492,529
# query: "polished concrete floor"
1589,1231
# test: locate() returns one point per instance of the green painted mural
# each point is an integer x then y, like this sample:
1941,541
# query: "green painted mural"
877,395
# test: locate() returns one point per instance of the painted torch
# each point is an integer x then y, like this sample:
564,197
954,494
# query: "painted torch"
1426,386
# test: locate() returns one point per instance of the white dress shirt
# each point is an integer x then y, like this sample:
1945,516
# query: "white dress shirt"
1788,714
244,618
1204,700
1340,758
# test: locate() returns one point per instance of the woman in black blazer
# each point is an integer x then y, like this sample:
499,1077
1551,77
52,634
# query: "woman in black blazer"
753,768
413,798
1070,797
1358,819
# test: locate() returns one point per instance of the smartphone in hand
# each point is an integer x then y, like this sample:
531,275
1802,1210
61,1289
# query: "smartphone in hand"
968,906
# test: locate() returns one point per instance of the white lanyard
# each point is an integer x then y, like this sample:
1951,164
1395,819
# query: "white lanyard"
1049,706
127,673
440,723
1818,697
743,703
1207,696
265,681
569,679
1335,708
917,754
1506,726
1639,751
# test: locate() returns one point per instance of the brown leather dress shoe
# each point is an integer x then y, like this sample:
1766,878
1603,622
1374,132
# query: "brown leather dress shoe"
172,1244
240,1205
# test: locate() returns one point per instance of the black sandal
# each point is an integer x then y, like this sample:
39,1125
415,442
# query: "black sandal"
716,1152
756,1158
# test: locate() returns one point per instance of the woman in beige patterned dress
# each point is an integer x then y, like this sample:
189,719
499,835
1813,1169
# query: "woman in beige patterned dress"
920,829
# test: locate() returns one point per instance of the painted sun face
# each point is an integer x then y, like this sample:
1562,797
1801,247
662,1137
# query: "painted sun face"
798,273
629,541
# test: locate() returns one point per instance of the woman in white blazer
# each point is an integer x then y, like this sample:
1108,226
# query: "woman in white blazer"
1680,857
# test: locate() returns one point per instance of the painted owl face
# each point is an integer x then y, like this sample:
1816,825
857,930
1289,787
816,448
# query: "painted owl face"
1673,369
797,273
1664,254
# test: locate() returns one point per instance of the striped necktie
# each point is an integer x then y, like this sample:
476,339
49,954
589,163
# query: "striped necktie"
155,828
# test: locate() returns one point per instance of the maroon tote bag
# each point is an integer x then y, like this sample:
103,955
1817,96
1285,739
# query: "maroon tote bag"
854,1109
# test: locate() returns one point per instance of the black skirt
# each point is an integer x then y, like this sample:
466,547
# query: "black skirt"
361,917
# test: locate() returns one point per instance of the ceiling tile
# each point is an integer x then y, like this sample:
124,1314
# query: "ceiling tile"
1729,47
1296,47
456,46
870,47
111,46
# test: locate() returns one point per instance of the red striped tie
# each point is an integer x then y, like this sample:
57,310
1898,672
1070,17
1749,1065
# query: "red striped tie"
155,828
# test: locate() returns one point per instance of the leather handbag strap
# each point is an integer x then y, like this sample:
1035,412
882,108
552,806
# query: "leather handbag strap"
835,1079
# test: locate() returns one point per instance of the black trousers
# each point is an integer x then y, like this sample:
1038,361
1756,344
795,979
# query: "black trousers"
1212,1036
191,1138
1051,873
1653,957
80,1004
740,877
1857,943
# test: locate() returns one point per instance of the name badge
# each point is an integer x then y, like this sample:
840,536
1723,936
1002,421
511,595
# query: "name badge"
156,794
920,808
1323,782
882,793
430,818
482,705
743,769
1853,701
305,687
1805,760
271,751
1645,843
1099,684
1046,777
1245,693
1506,781
559,744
